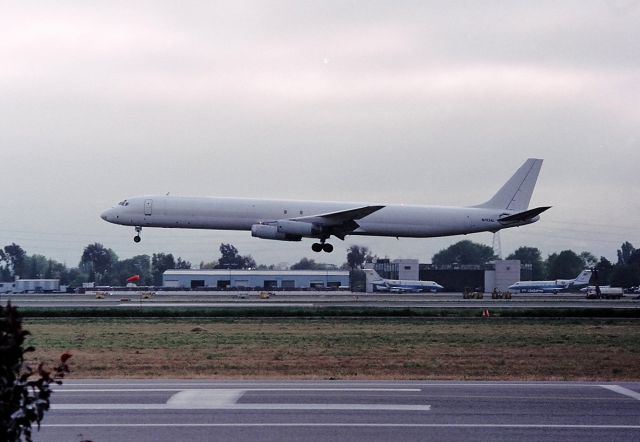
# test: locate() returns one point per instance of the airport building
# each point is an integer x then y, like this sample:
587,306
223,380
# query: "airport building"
504,274
255,279
499,274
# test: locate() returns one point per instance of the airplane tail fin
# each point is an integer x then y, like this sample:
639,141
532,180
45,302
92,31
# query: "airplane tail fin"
373,273
583,278
516,193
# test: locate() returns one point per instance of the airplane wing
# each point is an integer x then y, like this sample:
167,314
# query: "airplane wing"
523,216
337,218
339,223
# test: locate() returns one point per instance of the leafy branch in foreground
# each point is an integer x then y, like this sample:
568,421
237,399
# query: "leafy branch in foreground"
25,393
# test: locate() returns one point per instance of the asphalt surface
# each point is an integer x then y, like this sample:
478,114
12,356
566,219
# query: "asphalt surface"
313,299
118,410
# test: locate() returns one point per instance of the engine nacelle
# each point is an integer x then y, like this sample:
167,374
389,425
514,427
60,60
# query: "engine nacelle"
285,230
298,228
270,231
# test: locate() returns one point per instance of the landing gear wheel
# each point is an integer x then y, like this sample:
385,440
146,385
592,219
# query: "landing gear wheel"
317,247
137,237
327,248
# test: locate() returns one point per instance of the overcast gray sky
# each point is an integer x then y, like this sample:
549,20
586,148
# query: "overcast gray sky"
394,102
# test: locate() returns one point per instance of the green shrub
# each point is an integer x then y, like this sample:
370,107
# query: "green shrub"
23,397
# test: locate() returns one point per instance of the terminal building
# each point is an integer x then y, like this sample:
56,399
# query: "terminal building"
256,279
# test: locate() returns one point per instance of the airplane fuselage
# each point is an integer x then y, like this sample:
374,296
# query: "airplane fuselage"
287,220
221,213
399,286
539,286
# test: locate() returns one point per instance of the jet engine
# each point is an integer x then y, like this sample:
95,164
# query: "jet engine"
285,230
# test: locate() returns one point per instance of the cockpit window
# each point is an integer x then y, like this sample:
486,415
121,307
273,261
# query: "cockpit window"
123,203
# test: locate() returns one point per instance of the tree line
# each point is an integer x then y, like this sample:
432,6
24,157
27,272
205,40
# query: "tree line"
566,264
101,265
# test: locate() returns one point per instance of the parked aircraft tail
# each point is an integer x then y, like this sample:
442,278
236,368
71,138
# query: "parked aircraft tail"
583,278
373,273
516,193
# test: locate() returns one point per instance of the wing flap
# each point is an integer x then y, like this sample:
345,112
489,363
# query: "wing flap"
340,217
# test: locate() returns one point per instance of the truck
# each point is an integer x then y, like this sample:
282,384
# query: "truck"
36,285
605,293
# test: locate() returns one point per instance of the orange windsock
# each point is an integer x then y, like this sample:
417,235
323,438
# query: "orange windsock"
134,278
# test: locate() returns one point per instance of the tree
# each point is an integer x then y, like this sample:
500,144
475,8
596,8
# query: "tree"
357,256
75,277
464,252
626,275
305,264
138,265
14,256
605,270
625,252
635,257
182,265
98,261
23,401
588,259
530,255
36,267
231,259
159,263
565,265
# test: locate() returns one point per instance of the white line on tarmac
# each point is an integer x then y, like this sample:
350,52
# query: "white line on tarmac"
217,304
622,390
355,385
212,406
206,398
358,425
128,390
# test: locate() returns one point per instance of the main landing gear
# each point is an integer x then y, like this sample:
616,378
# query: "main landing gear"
137,237
320,246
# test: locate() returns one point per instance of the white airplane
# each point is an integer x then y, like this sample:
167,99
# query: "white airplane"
292,220
400,286
552,286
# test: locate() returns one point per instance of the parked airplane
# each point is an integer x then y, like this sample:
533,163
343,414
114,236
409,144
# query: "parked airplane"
552,286
292,220
400,286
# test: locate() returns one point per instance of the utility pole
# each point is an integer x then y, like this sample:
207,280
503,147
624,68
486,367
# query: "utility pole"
497,246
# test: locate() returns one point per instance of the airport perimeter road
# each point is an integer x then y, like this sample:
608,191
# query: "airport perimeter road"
114,410
313,299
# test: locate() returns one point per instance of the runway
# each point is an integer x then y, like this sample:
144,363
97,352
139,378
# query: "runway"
312,300
116,410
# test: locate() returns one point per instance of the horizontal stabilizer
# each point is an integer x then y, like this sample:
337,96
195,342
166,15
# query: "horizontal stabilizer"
524,216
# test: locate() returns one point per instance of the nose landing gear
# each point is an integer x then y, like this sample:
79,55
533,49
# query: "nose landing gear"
137,237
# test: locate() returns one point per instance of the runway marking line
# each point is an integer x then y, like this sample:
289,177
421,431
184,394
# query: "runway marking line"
213,406
622,390
374,425
303,385
227,398
125,390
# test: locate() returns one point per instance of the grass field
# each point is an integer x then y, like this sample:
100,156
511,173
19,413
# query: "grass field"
344,348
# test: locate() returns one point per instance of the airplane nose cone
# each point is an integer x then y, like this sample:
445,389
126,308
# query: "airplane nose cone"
105,215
